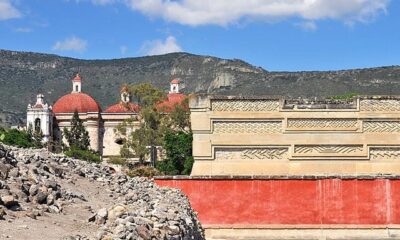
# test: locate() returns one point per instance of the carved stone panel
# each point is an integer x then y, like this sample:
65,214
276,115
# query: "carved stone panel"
381,126
269,153
379,105
244,105
247,127
384,153
328,150
323,124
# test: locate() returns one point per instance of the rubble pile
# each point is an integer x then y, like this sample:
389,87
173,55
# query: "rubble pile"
31,184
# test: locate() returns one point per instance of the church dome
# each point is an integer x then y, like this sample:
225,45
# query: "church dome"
169,104
123,108
80,102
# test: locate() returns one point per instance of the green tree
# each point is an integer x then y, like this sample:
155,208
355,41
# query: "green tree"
178,118
36,137
77,137
158,128
178,148
146,94
149,133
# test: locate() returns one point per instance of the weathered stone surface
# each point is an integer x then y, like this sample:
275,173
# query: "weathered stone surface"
8,201
4,170
139,210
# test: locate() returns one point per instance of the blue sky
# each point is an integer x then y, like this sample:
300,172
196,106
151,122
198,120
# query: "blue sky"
285,35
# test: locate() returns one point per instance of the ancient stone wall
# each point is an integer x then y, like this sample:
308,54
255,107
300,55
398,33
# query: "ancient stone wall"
274,136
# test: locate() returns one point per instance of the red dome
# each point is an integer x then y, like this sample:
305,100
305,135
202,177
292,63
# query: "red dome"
80,102
173,99
123,108
175,81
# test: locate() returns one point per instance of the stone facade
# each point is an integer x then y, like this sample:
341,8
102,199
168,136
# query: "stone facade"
274,136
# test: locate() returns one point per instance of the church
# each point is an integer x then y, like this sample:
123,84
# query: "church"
51,120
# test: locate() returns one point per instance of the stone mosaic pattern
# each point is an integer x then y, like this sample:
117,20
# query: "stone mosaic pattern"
271,153
246,105
380,105
381,126
384,153
328,149
247,127
322,123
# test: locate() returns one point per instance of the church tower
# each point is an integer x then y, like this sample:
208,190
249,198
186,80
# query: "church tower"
76,84
39,117
125,96
175,84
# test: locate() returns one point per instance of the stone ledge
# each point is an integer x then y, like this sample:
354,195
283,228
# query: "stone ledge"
301,226
280,177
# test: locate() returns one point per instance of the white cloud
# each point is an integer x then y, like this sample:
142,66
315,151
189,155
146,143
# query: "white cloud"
225,12
102,2
71,44
158,47
23,30
123,49
307,26
8,11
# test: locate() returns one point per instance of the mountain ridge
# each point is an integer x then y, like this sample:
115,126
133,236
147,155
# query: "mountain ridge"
24,74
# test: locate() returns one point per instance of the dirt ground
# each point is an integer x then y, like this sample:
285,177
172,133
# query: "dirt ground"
72,221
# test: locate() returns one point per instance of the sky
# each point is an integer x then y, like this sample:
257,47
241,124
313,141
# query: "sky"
277,35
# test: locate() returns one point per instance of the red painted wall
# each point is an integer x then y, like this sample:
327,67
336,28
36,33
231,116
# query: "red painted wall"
322,201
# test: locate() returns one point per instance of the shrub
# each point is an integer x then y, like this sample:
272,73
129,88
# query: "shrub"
143,171
118,161
167,167
85,155
15,137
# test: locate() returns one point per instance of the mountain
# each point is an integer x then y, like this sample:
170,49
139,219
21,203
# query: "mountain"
24,74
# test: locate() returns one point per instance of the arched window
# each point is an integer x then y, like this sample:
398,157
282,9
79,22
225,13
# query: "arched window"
37,125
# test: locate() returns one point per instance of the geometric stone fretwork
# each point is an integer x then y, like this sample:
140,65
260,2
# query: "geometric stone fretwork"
246,105
247,127
380,105
381,126
322,123
328,149
384,153
270,153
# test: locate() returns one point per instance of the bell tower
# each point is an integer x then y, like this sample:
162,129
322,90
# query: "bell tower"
125,96
39,117
76,84
175,84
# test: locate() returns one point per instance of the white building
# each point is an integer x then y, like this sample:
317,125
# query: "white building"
39,117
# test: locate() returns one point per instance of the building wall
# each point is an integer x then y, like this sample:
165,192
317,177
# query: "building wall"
329,206
274,136
45,117
92,123
111,121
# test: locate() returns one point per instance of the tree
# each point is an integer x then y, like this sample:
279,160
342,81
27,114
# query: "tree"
146,94
178,148
77,137
149,133
36,136
158,128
